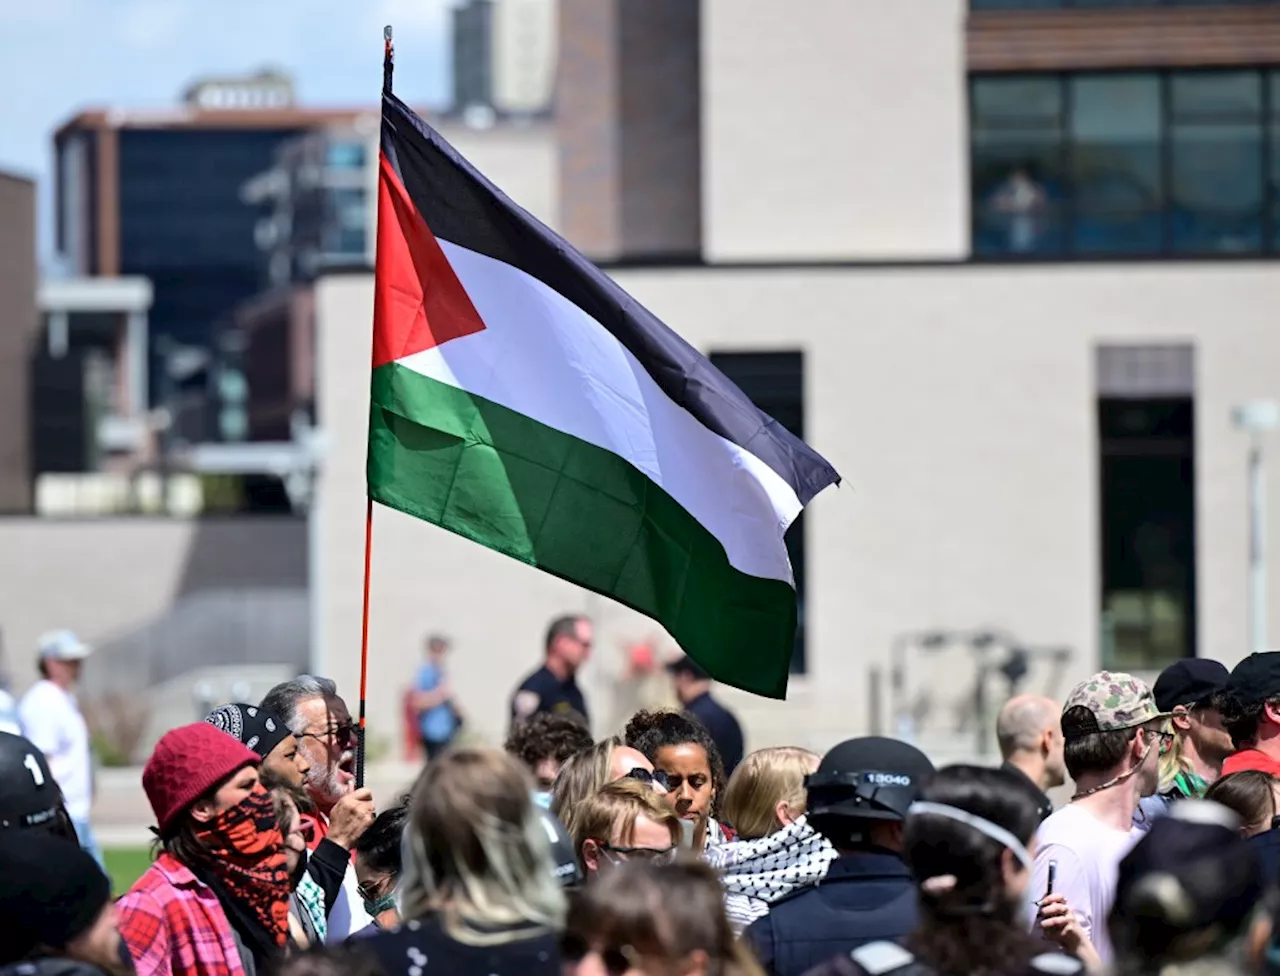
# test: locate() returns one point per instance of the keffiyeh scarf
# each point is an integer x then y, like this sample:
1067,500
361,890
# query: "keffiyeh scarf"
756,873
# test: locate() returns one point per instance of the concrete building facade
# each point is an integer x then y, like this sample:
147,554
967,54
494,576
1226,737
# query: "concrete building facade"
1034,445
18,327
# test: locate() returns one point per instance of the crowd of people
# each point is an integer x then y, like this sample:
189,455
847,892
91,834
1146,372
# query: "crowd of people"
648,854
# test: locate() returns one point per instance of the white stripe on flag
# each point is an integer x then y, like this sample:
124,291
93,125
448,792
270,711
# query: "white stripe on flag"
544,357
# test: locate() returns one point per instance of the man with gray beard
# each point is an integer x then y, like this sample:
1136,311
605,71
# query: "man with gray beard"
318,716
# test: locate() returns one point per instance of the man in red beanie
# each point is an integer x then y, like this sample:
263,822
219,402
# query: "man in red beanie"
216,900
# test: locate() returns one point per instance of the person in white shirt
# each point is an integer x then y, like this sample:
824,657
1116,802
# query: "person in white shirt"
51,719
9,721
1114,735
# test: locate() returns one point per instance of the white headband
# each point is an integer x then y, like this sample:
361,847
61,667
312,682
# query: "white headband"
996,833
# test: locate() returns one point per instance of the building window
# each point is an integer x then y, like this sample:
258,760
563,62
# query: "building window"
1126,163
775,383
345,155
1272,100
1215,161
1146,436
1096,4
1115,178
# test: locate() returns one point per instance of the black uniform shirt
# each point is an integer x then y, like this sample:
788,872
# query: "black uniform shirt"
725,731
1044,806
542,691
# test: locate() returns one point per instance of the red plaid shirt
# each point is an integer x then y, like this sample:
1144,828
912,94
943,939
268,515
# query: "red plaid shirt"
174,925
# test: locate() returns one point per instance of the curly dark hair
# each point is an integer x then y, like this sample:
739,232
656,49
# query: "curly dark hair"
1242,718
548,735
650,731
380,844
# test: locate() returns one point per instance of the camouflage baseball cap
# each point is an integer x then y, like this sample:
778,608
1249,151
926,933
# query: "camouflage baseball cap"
1115,700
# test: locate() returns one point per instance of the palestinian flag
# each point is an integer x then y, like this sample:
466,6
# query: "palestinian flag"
523,400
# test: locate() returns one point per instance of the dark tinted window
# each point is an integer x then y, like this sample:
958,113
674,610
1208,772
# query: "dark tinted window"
180,195
1147,508
1272,92
1115,172
1018,177
1216,162
1061,4
1126,163
184,226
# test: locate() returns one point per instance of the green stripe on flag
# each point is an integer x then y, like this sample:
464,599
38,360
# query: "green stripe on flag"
577,511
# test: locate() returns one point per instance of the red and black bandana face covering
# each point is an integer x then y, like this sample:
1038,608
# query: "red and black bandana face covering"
243,850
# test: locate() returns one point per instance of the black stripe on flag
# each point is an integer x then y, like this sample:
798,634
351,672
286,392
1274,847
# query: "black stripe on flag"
461,206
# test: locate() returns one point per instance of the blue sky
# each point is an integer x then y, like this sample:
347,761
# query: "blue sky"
59,56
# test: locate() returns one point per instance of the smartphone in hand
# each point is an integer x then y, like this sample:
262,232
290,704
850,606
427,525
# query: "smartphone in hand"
1048,888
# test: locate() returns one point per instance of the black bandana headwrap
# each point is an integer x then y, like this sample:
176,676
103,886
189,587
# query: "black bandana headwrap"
255,727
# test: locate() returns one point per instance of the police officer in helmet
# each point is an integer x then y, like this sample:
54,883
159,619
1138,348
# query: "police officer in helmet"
858,800
30,798
564,860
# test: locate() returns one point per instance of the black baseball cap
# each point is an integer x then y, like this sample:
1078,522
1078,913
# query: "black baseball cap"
1191,681
1256,678
684,664
1197,847
29,795
871,778
53,892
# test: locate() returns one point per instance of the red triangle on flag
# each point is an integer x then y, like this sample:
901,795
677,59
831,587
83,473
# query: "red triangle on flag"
418,301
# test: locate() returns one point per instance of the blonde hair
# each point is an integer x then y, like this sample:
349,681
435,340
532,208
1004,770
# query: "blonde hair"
581,776
1171,764
477,851
762,780
663,911
615,808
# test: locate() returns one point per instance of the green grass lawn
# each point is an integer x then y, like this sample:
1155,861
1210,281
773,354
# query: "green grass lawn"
125,865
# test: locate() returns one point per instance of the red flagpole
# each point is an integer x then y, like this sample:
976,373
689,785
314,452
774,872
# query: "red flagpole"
388,61
364,642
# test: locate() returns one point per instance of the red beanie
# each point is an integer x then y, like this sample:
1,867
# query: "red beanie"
188,762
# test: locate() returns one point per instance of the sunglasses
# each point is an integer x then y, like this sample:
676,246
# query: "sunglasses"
674,781
617,959
344,733
371,891
654,855
648,778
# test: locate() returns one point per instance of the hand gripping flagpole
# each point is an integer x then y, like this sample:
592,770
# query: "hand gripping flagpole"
388,65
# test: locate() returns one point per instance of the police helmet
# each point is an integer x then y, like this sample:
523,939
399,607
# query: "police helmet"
29,795
872,778
565,869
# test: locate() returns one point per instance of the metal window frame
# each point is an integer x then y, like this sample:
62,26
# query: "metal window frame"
1067,214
